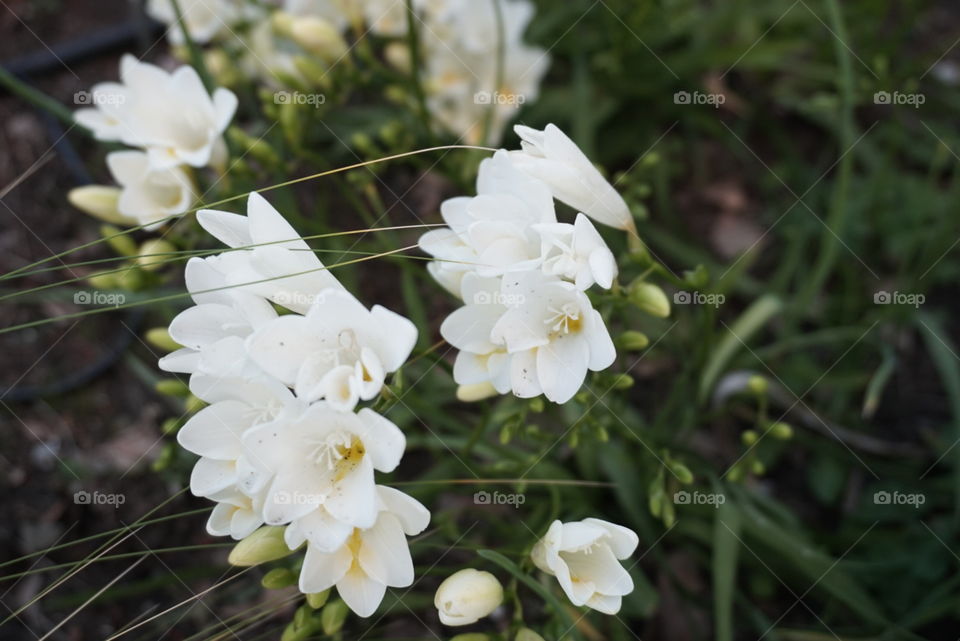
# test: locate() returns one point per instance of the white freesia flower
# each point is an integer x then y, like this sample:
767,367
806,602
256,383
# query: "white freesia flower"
149,195
577,253
213,331
323,457
469,329
553,336
169,114
216,432
552,157
584,555
278,265
493,232
339,350
371,559
235,515
467,596
204,19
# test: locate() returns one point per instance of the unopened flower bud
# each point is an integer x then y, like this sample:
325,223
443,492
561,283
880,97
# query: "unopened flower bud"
171,387
333,616
475,392
120,242
99,201
315,600
650,298
264,545
159,337
757,385
633,341
318,36
526,634
280,578
467,596
152,253
781,431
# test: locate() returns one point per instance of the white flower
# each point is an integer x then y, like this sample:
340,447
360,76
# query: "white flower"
339,350
493,232
467,596
371,559
323,457
273,261
169,114
149,195
216,432
583,556
213,330
204,19
555,159
553,336
577,253
469,328
235,515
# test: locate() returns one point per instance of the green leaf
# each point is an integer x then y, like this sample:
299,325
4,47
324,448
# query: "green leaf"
726,550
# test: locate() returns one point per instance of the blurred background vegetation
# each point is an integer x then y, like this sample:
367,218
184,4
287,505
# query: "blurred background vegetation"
819,217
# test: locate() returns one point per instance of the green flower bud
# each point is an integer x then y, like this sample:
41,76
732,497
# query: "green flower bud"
471,636
757,385
150,254
333,616
632,341
781,431
170,426
682,472
622,382
650,298
163,460
159,337
749,437
526,634
280,578
315,600
192,404
264,545
121,243
758,468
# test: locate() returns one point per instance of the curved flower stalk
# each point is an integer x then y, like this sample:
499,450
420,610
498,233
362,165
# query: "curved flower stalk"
280,442
584,556
526,325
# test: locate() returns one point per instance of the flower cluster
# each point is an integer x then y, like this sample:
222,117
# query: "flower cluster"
174,123
527,324
476,71
283,355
